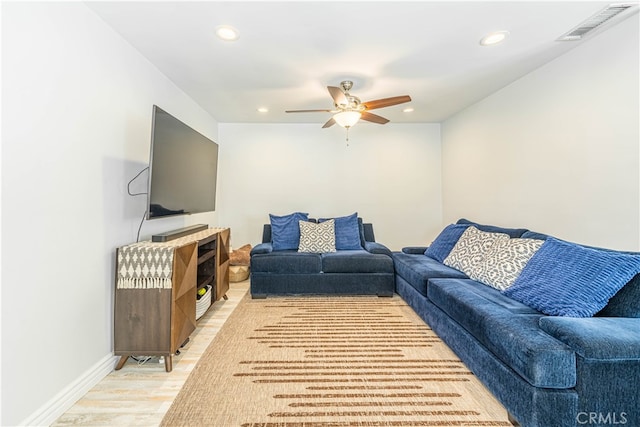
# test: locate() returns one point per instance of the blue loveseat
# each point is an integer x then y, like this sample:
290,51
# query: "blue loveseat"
364,269
547,370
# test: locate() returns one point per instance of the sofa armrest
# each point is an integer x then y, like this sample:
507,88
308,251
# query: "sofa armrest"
414,250
262,248
597,337
376,248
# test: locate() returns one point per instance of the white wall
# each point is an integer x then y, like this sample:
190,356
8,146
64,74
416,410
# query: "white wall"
389,174
76,124
556,151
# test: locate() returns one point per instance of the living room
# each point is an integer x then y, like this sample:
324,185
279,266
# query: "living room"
555,151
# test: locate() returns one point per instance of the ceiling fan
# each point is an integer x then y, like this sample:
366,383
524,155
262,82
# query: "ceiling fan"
348,109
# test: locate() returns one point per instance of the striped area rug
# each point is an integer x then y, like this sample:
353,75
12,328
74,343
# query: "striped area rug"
330,361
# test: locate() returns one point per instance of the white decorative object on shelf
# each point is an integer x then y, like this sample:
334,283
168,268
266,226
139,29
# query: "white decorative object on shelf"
203,303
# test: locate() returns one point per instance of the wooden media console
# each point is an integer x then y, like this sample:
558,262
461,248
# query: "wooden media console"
156,287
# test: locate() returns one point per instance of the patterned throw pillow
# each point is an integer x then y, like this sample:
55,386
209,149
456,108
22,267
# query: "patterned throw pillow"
504,262
317,238
468,253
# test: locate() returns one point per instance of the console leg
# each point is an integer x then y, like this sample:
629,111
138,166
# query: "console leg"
121,362
168,362
512,420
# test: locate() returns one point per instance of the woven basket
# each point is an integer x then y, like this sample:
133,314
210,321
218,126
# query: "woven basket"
238,273
202,305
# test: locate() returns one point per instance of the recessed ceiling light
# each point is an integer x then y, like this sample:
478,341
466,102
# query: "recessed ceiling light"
263,110
227,32
408,110
494,38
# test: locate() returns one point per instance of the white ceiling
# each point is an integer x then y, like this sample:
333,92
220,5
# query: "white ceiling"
288,52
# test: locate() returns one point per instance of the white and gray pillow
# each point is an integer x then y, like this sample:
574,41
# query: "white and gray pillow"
317,237
469,252
504,262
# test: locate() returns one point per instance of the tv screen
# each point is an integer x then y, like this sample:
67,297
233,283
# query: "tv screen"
183,168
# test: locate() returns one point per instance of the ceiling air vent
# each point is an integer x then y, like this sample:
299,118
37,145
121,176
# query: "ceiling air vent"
594,22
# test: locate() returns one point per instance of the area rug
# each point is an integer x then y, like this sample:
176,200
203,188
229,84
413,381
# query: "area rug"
330,361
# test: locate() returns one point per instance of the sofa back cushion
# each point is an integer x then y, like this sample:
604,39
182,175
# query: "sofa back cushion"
534,235
625,303
366,232
512,232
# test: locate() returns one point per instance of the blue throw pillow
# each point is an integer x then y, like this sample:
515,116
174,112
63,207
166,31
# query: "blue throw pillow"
446,240
566,279
347,232
285,230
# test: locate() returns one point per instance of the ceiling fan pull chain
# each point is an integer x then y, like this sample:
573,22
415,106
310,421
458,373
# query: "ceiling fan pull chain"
348,135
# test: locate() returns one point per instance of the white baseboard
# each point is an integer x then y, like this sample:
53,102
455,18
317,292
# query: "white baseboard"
53,409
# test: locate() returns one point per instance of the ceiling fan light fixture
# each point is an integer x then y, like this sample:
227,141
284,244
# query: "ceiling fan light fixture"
494,38
346,119
227,33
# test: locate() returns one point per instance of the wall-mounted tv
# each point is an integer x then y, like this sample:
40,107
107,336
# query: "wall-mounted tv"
183,168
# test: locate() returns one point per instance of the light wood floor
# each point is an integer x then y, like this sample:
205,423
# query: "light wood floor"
140,395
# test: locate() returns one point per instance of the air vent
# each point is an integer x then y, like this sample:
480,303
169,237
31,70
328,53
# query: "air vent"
584,28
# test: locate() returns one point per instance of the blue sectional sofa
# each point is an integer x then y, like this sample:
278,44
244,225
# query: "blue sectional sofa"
364,269
547,370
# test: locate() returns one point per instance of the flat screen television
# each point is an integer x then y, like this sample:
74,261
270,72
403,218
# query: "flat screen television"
183,168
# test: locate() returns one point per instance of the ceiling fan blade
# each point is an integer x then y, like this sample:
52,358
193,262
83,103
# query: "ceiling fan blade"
309,111
329,123
370,117
338,95
386,102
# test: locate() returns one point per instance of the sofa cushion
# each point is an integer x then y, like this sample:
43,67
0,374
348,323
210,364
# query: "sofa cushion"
415,250
566,279
292,262
418,269
262,248
468,253
504,262
534,235
347,232
512,232
377,248
597,338
285,231
356,261
446,240
490,294
317,238
508,330
626,302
